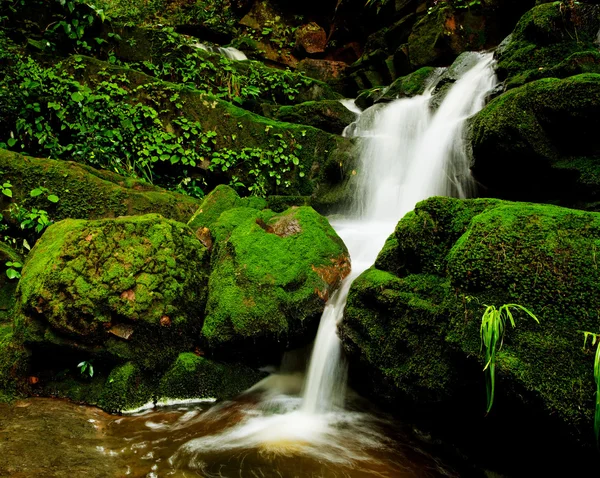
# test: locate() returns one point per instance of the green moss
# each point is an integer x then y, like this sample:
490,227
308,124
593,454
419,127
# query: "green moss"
423,237
7,286
551,40
414,325
191,376
544,129
221,199
410,85
126,388
254,295
13,364
141,278
397,328
86,193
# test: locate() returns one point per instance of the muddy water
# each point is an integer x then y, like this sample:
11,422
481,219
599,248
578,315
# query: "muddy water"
56,438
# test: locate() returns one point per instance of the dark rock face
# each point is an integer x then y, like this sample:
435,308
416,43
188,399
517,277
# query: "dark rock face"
538,142
311,38
330,116
412,323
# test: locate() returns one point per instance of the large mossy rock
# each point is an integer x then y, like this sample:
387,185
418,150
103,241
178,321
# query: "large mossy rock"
271,276
553,40
412,323
88,193
538,142
194,376
131,288
328,115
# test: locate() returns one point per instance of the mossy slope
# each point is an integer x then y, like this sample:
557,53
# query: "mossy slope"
553,40
537,142
88,193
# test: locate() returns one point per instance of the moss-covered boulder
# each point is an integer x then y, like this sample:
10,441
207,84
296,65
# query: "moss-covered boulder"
193,376
271,276
221,199
412,323
131,288
441,35
328,115
87,193
553,40
538,142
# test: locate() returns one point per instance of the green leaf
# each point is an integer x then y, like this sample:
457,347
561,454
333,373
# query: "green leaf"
35,192
7,192
11,142
53,198
12,274
77,97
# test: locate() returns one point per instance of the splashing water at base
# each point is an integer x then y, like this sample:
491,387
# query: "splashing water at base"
408,154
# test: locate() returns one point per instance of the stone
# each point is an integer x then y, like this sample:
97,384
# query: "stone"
311,38
271,275
104,287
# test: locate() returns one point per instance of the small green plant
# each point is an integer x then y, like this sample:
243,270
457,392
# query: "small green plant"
493,324
595,343
13,269
6,189
86,368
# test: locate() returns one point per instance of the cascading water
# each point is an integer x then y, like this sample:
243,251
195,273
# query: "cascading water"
227,51
408,154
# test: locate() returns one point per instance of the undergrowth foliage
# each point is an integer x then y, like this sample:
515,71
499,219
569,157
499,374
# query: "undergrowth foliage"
131,130
178,59
595,340
493,324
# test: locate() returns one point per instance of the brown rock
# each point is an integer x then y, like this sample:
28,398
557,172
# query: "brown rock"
323,70
311,38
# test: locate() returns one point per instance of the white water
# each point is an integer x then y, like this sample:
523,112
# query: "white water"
408,154
227,51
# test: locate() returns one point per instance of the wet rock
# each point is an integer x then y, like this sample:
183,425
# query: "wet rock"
323,70
545,130
311,38
192,376
261,301
104,286
328,115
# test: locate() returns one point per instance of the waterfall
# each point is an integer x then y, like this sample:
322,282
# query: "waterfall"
408,154
227,51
